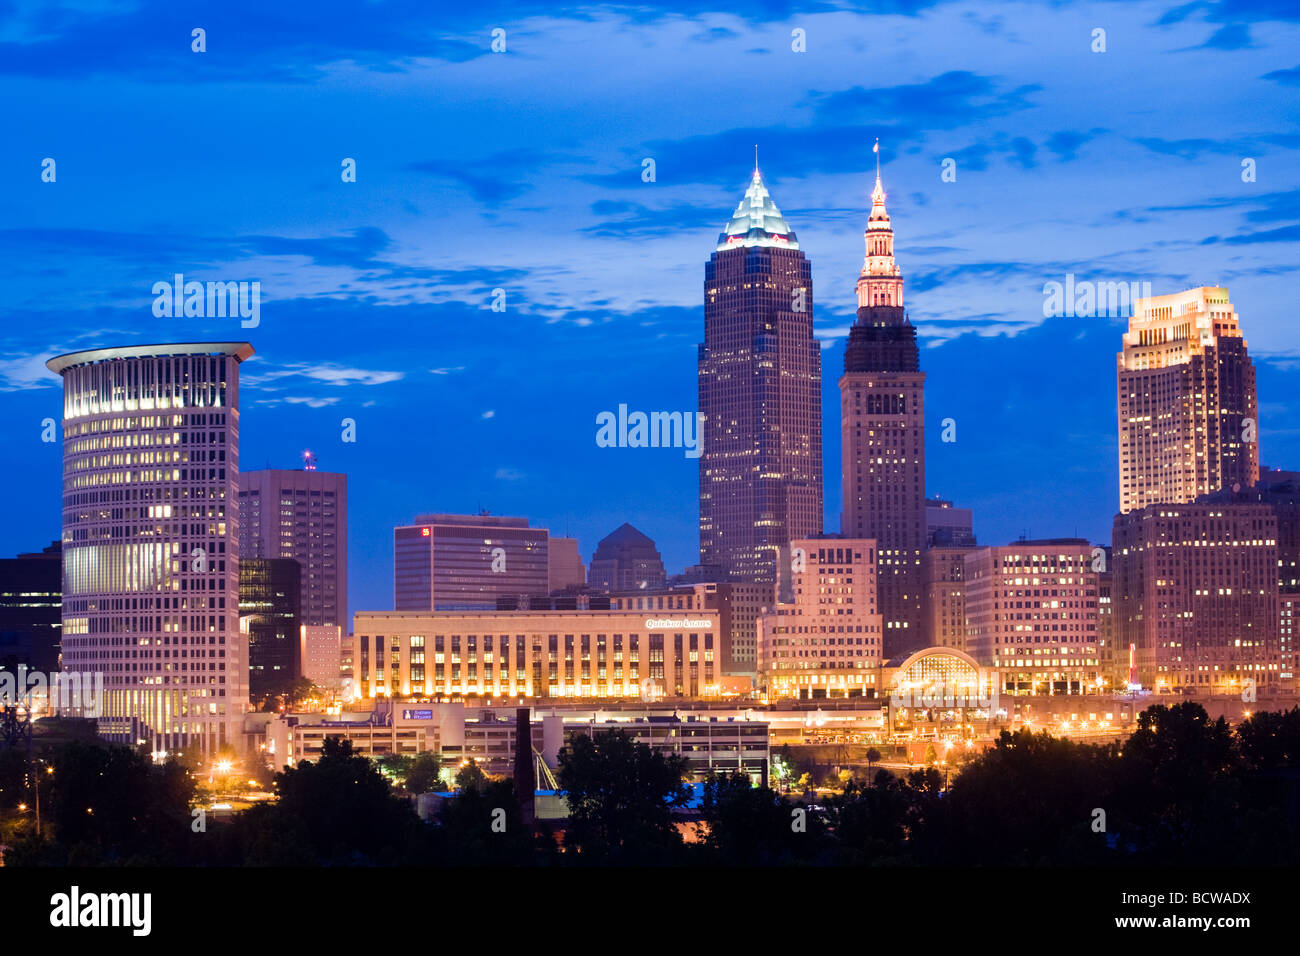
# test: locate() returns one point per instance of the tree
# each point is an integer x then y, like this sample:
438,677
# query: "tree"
395,767
471,776
620,795
335,810
743,825
422,775
1176,799
111,805
483,825
1029,801
873,757
873,822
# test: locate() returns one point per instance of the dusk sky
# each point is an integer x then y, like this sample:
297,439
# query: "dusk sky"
522,170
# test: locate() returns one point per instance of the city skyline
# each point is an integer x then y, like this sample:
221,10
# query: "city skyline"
620,278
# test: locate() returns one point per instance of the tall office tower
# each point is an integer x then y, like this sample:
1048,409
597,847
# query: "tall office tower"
31,609
882,416
151,542
468,562
1280,491
760,379
1031,613
1196,590
270,615
302,515
826,641
626,560
1188,417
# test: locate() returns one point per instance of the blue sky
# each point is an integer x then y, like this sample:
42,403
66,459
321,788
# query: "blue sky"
522,170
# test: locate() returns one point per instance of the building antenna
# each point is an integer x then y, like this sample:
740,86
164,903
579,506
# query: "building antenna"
755,159
876,149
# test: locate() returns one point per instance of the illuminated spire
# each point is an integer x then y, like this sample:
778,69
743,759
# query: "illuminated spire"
757,221
880,282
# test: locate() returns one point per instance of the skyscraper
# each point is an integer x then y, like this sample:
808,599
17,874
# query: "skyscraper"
1187,406
301,514
150,539
760,394
882,416
1195,588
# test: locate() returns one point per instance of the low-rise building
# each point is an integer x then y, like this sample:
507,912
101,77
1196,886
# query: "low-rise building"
1031,614
543,653
826,640
710,742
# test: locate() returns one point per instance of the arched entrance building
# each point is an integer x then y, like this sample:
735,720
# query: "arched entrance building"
940,691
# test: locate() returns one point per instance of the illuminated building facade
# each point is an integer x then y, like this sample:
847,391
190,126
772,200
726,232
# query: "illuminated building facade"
321,652
634,654
760,393
301,514
468,562
735,604
1188,415
943,571
150,539
1111,655
940,691
882,420
826,641
1031,615
1196,589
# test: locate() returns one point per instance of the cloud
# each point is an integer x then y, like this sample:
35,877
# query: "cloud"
19,372
837,140
1289,77
1234,36
246,40
1281,234
311,401
1187,148
492,179
636,221
327,374
1065,143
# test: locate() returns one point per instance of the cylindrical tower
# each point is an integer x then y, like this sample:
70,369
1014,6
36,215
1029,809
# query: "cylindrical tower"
150,539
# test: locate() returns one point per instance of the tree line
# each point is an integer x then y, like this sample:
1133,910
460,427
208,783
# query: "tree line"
1182,789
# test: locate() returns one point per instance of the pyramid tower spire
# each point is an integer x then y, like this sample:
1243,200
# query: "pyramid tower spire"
757,221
